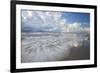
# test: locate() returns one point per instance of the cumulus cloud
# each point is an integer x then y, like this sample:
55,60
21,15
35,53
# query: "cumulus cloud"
48,21
76,27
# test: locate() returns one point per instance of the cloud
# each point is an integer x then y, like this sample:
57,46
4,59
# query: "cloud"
74,27
48,21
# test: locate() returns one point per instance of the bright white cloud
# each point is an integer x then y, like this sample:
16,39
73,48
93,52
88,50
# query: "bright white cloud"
40,19
49,21
75,27
29,13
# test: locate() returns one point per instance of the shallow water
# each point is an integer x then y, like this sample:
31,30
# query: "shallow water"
41,47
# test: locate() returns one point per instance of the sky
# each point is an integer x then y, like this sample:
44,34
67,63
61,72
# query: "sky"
51,21
83,18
